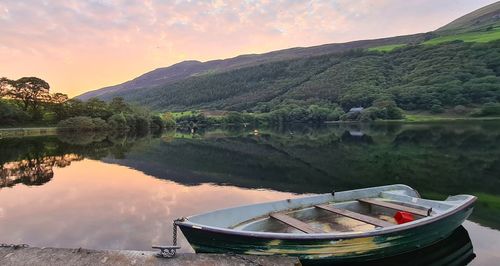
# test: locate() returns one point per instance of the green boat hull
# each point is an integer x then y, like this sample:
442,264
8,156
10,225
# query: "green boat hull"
328,249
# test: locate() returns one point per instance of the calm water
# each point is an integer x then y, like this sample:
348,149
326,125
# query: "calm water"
122,192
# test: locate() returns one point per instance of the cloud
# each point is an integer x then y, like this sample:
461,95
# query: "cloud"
79,45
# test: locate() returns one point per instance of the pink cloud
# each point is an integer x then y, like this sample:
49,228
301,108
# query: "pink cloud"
80,45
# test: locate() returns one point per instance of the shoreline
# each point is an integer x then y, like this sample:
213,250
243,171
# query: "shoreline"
52,130
27,132
66,256
426,119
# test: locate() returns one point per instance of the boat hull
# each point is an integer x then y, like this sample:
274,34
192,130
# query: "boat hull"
365,248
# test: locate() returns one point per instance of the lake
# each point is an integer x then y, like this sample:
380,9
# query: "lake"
122,192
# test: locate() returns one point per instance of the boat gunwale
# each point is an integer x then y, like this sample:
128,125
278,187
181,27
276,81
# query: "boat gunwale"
466,203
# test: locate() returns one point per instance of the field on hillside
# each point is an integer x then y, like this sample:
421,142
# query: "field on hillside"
180,114
479,36
386,48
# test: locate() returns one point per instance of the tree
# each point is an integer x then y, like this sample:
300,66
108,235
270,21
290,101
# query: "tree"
317,113
169,120
118,122
436,108
97,108
11,114
58,98
118,105
70,108
30,91
4,83
387,109
157,123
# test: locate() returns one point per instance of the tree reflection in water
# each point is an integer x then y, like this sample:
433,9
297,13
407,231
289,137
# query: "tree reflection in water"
33,172
30,161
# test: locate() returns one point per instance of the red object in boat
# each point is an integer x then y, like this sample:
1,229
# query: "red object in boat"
403,217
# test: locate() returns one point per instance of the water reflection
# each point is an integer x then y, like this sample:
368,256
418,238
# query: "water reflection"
456,249
118,205
35,171
30,161
438,160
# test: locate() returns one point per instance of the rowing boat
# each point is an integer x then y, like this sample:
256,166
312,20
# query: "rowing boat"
356,225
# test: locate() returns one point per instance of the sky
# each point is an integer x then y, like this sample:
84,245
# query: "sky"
81,45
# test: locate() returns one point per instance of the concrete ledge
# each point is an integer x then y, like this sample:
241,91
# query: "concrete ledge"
63,256
27,132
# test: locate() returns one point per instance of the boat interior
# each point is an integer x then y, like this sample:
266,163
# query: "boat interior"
353,216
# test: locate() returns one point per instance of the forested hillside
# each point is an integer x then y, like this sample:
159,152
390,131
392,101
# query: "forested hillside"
177,72
417,77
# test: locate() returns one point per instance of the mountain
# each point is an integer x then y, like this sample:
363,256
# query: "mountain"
481,18
458,64
168,75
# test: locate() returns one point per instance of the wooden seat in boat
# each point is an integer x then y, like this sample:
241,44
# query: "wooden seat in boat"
397,207
297,224
354,215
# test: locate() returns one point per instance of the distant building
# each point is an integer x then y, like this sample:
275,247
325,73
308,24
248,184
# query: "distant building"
356,133
356,110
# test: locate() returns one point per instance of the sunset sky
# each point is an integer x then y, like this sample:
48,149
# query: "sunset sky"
79,45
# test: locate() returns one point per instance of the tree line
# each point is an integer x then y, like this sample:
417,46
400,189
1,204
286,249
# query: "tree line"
28,101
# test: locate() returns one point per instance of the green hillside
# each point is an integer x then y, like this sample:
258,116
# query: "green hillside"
487,35
417,77
386,48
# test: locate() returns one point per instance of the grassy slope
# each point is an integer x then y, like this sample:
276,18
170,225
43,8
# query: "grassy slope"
185,113
478,36
386,48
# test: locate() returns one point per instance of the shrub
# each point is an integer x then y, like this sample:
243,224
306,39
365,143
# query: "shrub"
387,109
142,123
459,110
350,116
317,113
335,114
157,123
168,120
368,114
80,123
118,122
131,121
436,108
489,109
11,114
100,124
